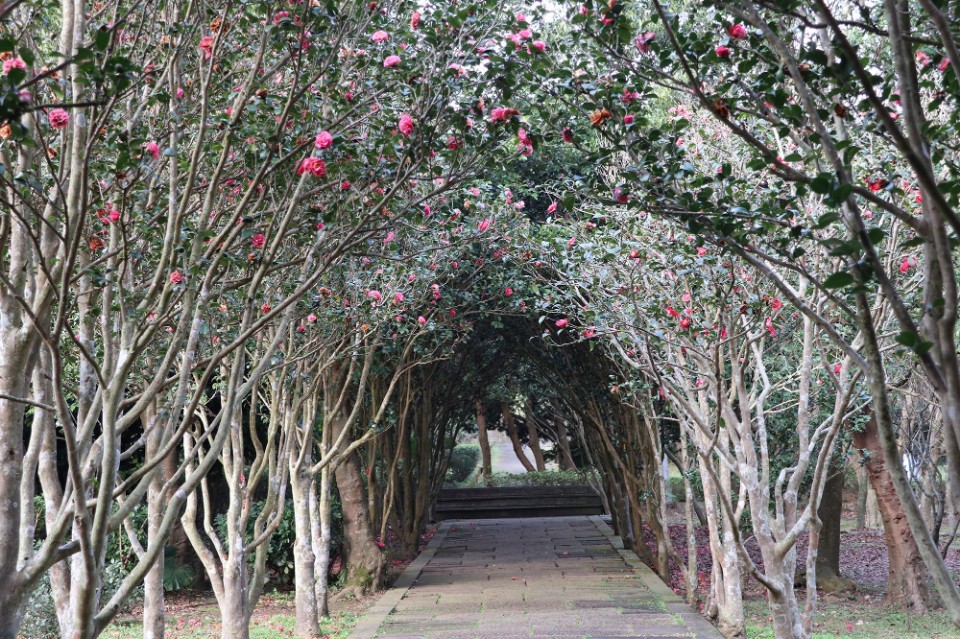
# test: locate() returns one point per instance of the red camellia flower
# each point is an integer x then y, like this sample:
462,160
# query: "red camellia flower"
643,41
722,51
737,31
313,165
907,264
567,135
206,45
837,368
58,118
562,323
776,304
502,114
258,240
671,312
508,291
685,322
265,308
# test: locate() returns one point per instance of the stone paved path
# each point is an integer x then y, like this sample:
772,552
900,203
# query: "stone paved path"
558,577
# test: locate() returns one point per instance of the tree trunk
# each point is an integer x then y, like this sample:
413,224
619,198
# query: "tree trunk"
154,612
863,489
828,549
566,458
304,560
511,427
234,612
906,577
534,435
486,465
322,536
364,563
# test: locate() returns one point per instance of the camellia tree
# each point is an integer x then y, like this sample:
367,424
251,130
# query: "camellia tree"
170,195
812,145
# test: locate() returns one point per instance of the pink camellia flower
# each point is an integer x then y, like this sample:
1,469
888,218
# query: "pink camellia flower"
737,31
380,36
776,304
837,368
427,211
540,45
206,45
572,241
628,119
453,143
324,140
520,17
114,215
484,224
13,63
405,124
301,329
398,298
502,114
452,313
685,322
265,308
561,323
643,41
923,59
525,34
389,237
311,318
552,207
422,321
944,64
590,332
176,277
375,296
508,291
722,51
179,93
768,324
313,165
153,149
258,241
280,16
58,118
415,20
391,61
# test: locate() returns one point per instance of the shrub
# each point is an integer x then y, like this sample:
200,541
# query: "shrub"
544,478
463,461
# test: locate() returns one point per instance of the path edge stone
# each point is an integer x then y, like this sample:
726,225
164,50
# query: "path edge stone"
373,617
693,620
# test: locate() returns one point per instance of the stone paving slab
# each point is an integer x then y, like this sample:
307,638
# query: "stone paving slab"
542,578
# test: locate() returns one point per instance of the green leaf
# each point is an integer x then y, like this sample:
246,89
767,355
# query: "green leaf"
838,280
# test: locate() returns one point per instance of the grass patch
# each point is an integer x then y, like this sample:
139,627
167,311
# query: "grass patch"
857,619
277,626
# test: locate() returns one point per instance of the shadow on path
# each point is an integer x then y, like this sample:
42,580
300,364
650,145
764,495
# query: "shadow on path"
529,578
